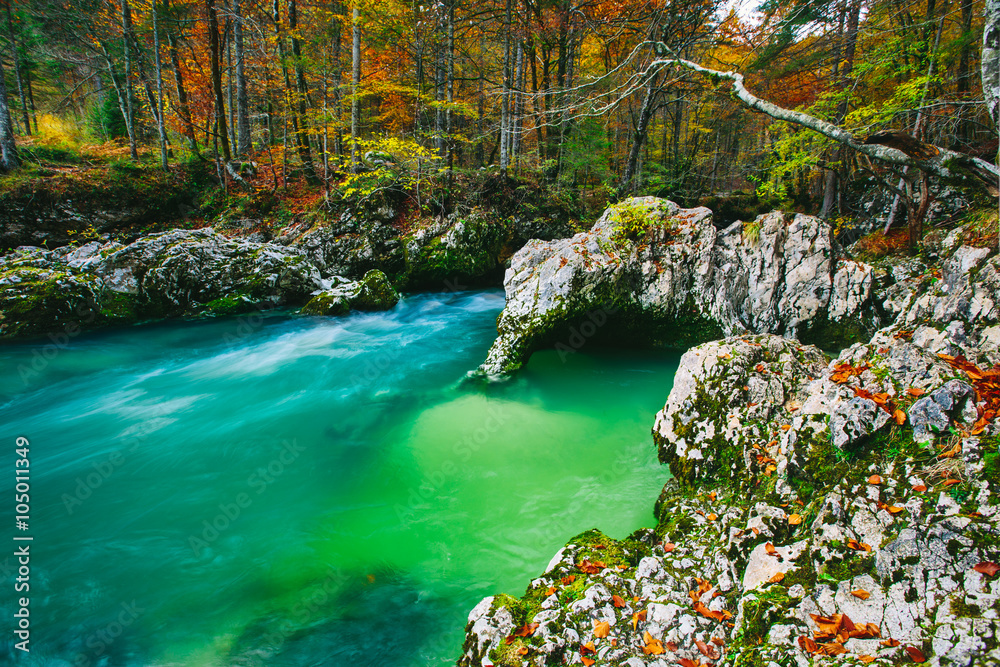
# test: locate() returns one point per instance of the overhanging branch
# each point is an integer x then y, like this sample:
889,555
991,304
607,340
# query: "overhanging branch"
947,164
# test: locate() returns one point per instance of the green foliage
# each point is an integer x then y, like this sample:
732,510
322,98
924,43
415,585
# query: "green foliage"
106,120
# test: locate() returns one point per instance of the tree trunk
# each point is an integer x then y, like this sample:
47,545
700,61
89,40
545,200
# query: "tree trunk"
9,159
990,65
215,55
301,91
16,59
629,177
183,110
127,85
244,140
355,85
160,126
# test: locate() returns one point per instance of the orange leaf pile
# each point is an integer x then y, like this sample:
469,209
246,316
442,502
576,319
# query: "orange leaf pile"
842,373
588,567
833,632
987,386
707,650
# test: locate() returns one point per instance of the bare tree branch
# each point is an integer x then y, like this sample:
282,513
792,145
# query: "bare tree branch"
946,164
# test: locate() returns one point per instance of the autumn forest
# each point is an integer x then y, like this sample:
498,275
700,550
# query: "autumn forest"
578,95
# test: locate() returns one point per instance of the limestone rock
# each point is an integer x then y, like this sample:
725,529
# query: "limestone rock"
663,275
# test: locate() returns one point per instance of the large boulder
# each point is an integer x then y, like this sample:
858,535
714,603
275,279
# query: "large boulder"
658,274
373,292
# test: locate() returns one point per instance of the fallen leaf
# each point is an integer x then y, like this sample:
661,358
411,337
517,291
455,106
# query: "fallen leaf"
638,616
599,546
756,531
707,650
862,594
894,509
550,590
808,645
601,629
568,579
915,391
587,661
526,630
718,641
524,650
617,601
891,643
919,488
588,648
712,517
712,496
874,479
900,418
951,453
794,519
988,568
866,659
687,662
668,547
653,646
778,576
916,655
832,648
951,482
769,548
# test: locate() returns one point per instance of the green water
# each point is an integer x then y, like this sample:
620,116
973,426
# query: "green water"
295,491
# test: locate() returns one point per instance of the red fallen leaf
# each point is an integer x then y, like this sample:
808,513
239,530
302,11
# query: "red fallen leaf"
598,546
890,642
668,547
718,641
759,368
951,482
919,488
617,601
808,645
988,568
916,655
706,650
653,646
687,662
670,646
874,479
568,579
601,629
915,391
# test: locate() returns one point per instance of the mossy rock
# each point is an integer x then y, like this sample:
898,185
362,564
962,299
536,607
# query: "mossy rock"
375,293
327,304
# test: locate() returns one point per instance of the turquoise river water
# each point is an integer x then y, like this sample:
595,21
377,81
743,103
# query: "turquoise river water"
300,491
